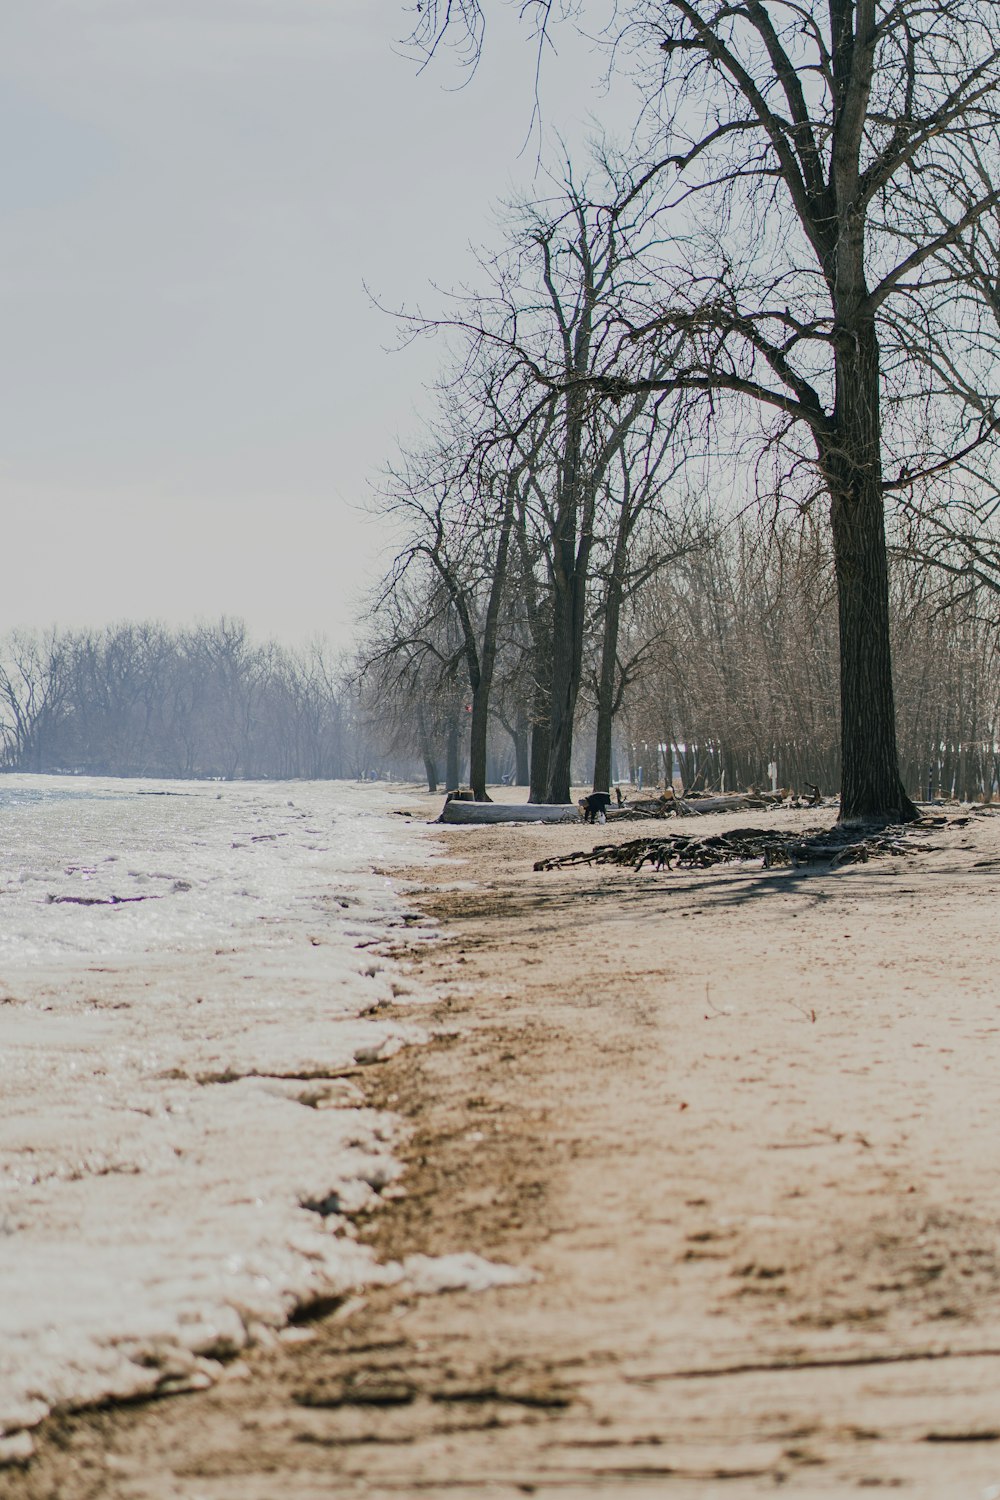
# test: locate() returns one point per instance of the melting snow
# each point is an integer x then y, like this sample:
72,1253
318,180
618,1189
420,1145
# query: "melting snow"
176,1149
462,1272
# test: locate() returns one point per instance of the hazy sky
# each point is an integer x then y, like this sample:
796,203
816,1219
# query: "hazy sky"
195,387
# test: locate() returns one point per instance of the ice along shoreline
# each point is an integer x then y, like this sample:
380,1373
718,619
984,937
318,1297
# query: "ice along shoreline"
185,970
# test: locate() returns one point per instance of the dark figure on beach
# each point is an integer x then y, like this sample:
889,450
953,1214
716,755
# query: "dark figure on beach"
592,805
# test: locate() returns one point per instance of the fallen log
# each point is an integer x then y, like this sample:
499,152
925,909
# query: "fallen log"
509,812
669,805
692,807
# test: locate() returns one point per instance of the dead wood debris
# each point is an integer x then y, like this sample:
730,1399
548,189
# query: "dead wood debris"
670,805
99,900
829,846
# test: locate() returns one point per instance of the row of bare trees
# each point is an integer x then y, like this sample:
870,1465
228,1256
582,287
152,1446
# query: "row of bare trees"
727,664
782,292
795,259
527,521
139,699
743,670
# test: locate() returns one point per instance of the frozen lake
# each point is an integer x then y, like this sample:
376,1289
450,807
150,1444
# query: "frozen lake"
184,970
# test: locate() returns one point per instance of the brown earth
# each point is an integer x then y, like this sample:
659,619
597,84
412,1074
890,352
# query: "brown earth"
742,1124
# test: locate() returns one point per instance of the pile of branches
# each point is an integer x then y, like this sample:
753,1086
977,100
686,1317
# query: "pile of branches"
830,846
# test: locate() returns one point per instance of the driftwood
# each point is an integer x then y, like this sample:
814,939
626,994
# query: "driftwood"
670,805
830,846
459,807
509,812
99,900
693,807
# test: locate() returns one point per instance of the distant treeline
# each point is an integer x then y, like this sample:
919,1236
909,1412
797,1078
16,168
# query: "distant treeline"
142,700
728,663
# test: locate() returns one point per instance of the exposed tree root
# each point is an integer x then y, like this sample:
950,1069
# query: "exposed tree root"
830,846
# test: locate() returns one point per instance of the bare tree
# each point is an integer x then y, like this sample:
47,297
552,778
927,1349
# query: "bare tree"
645,522
33,689
549,322
464,23
457,501
742,667
409,667
829,169
838,156
739,668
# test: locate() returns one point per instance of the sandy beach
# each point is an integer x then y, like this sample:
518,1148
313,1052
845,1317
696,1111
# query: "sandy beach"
740,1129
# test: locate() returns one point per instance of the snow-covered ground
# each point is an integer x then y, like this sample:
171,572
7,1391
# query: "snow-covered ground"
169,1099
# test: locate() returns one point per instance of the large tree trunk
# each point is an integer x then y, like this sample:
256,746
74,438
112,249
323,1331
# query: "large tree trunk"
565,687
606,690
522,765
427,753
539,622
565,680
478,735
572,544
541,664
539,769
871,788
611,685
481,672
453,769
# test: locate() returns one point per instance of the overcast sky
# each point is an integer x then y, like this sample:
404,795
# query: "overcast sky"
194,387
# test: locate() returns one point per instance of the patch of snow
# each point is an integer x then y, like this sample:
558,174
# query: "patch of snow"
461,1272
177,1150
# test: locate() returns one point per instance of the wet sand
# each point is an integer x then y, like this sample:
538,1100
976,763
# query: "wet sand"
743,1127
